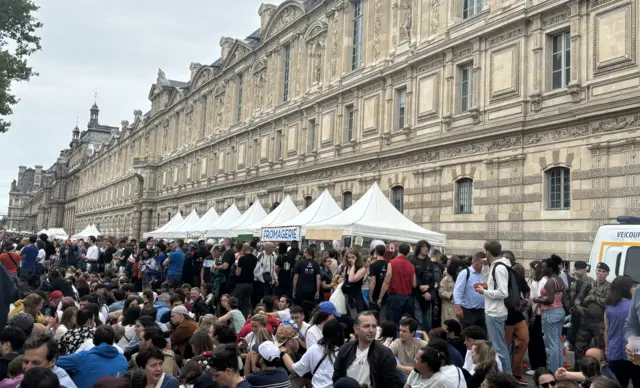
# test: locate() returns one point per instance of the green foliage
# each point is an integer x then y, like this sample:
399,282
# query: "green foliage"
17,43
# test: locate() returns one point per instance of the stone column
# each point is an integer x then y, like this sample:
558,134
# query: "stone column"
136,220
537,87
146,218
447,101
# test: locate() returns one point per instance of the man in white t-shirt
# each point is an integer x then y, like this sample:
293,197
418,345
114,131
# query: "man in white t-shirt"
93,253
366,360
426,373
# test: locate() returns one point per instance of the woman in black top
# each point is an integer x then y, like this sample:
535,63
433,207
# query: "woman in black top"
354,275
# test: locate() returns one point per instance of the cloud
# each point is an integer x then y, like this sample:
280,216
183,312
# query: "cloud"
115,48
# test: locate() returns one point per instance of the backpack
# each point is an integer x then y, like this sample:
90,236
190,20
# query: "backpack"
513,298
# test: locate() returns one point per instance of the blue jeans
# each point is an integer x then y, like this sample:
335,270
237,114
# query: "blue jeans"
495,328
397,305
552,321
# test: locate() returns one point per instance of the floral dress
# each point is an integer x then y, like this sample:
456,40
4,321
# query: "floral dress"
73,339
446,294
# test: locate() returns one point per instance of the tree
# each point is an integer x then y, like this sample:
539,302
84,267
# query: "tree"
17,43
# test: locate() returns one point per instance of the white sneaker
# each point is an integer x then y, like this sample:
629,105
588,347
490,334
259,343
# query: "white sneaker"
530,372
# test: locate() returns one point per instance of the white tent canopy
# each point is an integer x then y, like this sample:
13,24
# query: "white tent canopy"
253,214
375,217
175,221
187,226
285,211
94,231
321,209
56,233
84,234
229,217
209,218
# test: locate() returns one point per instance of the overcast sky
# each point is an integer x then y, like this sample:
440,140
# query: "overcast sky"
115,48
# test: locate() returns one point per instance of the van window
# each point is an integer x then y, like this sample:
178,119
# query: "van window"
632,264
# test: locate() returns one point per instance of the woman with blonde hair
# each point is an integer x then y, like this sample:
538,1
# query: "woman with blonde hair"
251,362
354,275
484,359
31,305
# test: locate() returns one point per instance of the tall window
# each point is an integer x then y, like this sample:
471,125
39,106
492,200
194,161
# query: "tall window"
464,191
168,216
356,50
470,8
307,201
239,105
350,123
347,199
466,88
559,188
561,61
401,95
287,66
397,198
311,145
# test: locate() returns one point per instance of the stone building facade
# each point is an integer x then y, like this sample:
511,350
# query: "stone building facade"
495,119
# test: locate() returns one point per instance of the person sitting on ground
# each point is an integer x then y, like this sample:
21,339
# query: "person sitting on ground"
42,351
544,378
74,339
500,380
234,315
183,328
269,374
224,368
152,336
458,375
11,342
15,374
151,361
40,378
566,378
103,360
484,359
32,305
426,373
407,346
454,331
471,335
271,322
441,333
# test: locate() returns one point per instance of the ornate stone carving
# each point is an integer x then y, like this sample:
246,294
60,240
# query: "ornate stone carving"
556,19
259,84
377,29
435,17
286,17
506,37
407,16
334,45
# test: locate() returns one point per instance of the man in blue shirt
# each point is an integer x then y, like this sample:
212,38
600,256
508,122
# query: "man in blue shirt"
469,303
174,262
29,257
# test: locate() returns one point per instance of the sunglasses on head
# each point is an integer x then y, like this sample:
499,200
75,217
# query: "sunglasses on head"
549,384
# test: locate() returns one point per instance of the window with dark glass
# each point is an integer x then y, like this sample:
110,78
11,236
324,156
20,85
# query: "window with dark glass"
558,188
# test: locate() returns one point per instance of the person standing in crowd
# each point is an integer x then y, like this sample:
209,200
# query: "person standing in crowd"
400,280
222,270
93,254
537,352
497,291
592,325
266,276
578,290
616,313
516,330
284,266
41,351
447,284
174,263
468,303
354,275
29,256
550,303
425,295
306,278
7,295
10,260
244,279
632,324
365,359
377,273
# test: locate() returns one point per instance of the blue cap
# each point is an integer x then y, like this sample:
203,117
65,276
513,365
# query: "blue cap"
328,307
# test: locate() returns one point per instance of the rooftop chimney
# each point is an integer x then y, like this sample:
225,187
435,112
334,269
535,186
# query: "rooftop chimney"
265,12
21,171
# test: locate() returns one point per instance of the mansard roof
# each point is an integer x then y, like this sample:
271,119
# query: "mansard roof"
25,185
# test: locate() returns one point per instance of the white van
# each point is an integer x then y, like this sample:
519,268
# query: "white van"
618,245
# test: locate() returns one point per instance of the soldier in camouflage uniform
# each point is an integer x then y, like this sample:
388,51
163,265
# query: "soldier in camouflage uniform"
578,290
592,326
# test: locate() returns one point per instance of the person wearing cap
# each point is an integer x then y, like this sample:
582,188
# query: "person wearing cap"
592,326
183,328
578,290
270,374
287,341
326,312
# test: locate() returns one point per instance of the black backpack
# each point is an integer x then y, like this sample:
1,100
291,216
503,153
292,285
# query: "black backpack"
513,299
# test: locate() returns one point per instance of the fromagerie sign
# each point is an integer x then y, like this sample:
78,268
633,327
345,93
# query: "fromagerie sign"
286,233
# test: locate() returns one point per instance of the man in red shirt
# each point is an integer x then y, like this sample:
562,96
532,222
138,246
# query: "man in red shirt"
10,260
400,282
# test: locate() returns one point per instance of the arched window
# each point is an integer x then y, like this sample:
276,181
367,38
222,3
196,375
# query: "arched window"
307,201
347,199
397,198
464,196
558,182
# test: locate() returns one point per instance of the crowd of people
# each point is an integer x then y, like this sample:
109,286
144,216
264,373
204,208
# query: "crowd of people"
207,313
